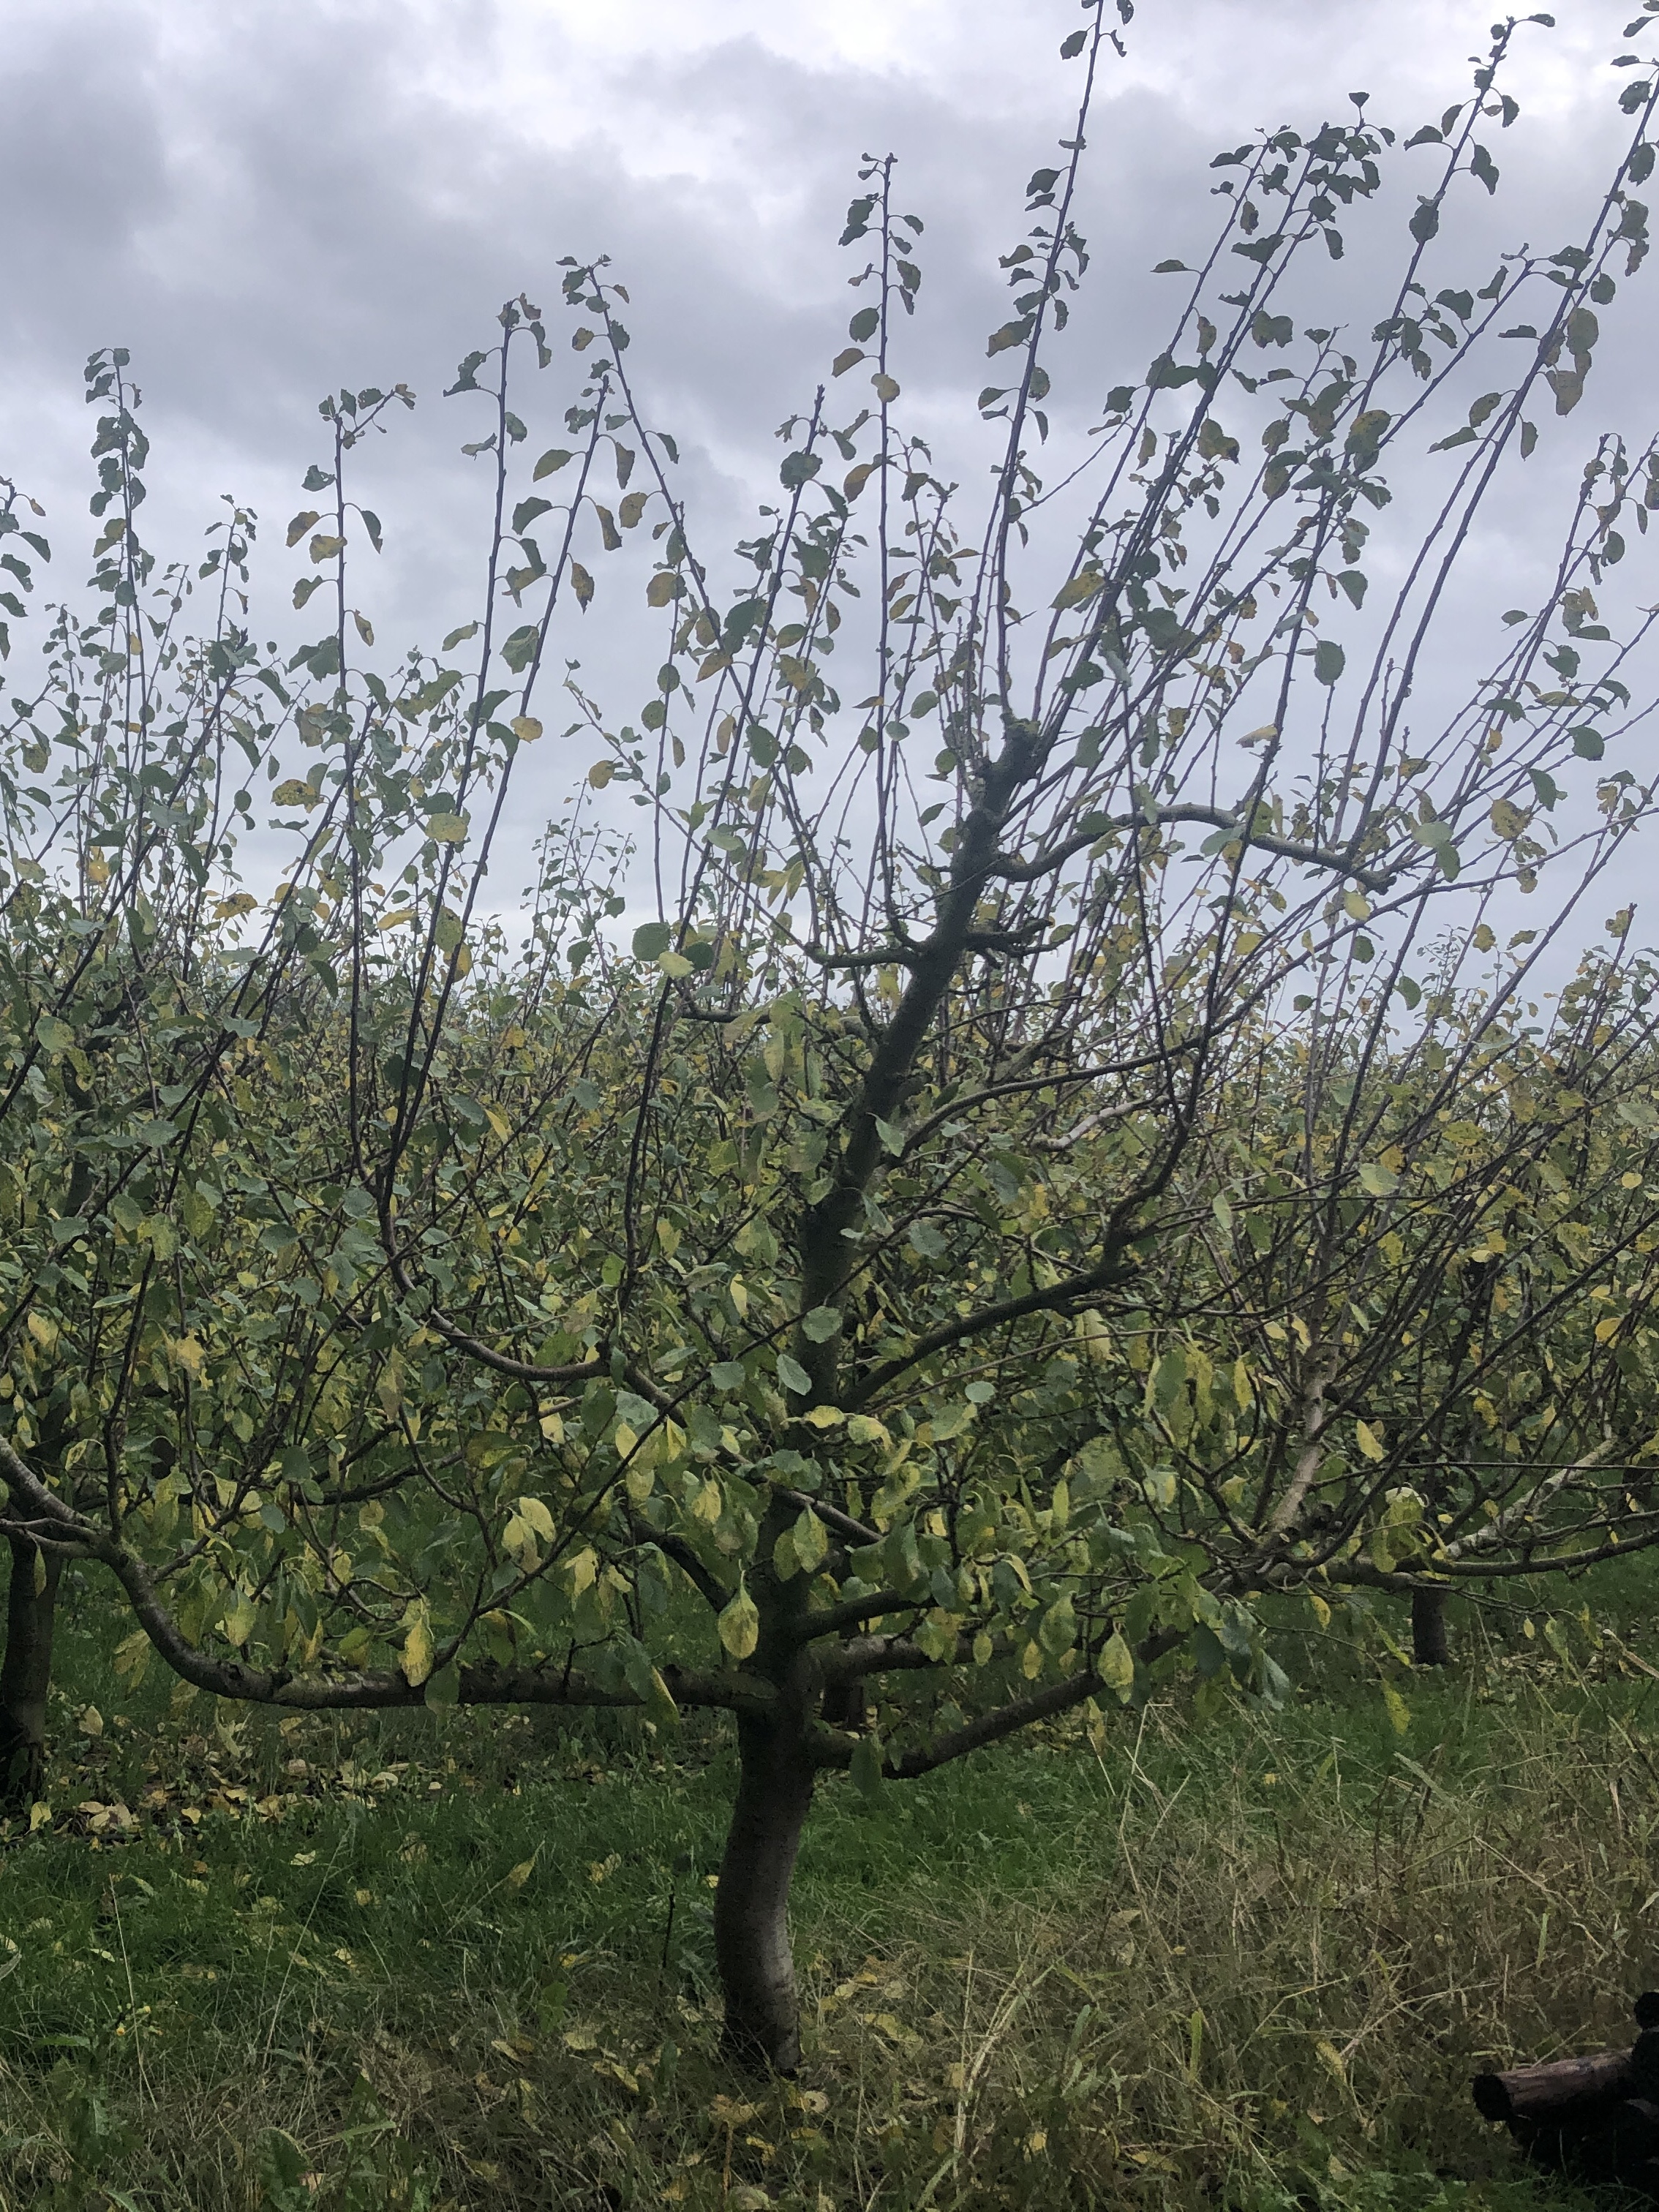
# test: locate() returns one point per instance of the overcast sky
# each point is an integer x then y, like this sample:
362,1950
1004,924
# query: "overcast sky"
265,198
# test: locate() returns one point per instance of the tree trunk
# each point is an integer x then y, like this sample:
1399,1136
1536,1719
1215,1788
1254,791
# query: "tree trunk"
752,1923
26,1672
1431,1642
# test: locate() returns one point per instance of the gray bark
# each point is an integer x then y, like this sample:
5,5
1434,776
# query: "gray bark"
751,1920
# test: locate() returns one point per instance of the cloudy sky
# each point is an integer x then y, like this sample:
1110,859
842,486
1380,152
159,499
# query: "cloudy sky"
265,198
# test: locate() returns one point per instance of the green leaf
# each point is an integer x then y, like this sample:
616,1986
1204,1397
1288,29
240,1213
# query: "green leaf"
1011,334
652,940
281,2167
1058,1631
1169,1378
1329,660
519,650
237,1620
792,1375
868,1764
1380,1182
549,464
923,1238
820,1325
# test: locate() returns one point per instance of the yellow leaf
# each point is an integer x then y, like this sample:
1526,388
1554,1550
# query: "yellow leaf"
1116,1665
389,1387
601,773
539,1518
1077,590
739,1624
39,1814
43,1328
1368,1440
583,1569
625,1440
526,729
580,583
825,1417
521,1874
812,1542
1396,1709
886,389
416,1659
1321,1612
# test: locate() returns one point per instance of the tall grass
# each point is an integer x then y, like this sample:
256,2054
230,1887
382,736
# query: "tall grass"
465,1965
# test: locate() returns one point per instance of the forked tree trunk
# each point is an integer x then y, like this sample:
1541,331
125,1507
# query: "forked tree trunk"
1431,1639
751,1905
26,1672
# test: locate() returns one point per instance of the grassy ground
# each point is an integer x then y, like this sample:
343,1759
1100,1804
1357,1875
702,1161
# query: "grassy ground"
429,1962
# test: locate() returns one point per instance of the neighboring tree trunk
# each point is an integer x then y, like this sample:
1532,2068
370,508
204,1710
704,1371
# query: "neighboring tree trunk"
751,1920
1430,1640
26,1672
844,1703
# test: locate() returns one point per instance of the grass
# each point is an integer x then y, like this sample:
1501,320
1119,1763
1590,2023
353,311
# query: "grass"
448,1961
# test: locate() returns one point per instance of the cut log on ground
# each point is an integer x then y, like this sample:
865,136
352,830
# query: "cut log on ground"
1594,2118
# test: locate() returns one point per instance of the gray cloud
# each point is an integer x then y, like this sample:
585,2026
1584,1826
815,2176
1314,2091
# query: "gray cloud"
265,202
